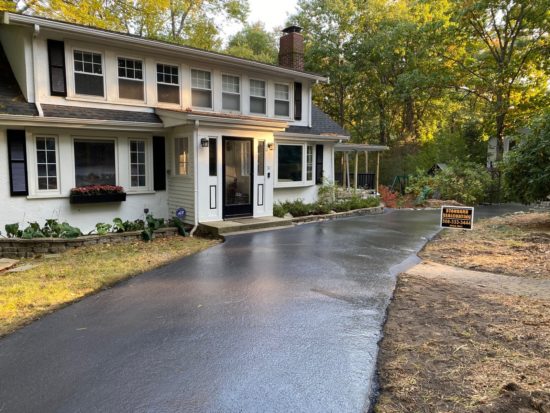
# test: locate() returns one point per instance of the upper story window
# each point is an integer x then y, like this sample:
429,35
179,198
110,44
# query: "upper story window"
130,79
88,73
168,84
257,97
231,93
282,100
201,88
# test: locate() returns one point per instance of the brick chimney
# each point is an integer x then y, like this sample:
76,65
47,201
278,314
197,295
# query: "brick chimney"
291,49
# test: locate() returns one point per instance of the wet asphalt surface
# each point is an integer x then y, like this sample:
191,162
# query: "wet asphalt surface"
279,321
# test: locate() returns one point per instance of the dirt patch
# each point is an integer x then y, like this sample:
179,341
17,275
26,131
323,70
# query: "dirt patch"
468,341
517,244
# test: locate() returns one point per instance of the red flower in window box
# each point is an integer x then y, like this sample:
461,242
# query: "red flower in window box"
97,193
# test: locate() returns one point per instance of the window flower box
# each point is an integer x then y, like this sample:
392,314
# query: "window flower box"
93,194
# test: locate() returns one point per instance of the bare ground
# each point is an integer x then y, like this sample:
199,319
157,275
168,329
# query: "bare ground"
468,341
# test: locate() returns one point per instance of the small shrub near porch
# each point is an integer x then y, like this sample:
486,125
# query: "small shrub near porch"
299,208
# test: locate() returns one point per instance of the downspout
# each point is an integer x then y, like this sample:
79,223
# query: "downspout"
196,176
35,34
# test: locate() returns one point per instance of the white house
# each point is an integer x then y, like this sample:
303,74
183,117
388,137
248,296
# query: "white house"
175,126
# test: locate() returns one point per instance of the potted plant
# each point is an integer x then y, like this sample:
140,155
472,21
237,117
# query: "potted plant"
97,193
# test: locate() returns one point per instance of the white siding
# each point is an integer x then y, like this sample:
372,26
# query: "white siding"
23,209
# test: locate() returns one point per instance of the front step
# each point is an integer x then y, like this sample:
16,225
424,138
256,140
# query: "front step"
238,225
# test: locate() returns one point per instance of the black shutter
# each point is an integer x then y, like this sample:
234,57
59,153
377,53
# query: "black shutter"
319,164
56,58
159,163
17,158
297,101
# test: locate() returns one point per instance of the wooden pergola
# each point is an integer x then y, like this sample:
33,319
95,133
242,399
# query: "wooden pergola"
357,148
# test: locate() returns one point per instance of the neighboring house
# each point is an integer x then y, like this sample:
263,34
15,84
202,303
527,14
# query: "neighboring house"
175,126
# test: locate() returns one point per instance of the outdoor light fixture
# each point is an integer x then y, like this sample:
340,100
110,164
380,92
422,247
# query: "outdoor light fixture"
204,142
270,146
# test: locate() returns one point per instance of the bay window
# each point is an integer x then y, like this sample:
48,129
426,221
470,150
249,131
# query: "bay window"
94,162
46,163
137,164
290,163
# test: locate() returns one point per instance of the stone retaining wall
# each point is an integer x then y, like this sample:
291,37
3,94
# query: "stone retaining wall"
352,213
28,248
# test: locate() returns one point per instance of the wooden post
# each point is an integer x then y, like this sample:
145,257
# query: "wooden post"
343,170
377,169
366,162
347,170
356,170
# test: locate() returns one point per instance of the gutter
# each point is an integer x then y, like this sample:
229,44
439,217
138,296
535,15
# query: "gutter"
77,123
302,136
155,45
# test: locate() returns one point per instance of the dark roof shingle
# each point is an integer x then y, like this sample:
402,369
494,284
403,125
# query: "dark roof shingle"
77,112
321,123
12,101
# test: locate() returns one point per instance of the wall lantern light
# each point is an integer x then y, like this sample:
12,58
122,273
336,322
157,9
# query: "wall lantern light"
204,142
270,146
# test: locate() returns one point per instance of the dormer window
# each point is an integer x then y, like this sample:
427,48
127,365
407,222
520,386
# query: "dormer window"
257,97
201,88
282,100
168,85
130,79
88,73
231,93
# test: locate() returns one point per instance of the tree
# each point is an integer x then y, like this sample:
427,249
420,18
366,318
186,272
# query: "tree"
505,58
189,22
254,42
526,169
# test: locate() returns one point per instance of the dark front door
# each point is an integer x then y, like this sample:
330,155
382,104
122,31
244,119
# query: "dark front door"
237,177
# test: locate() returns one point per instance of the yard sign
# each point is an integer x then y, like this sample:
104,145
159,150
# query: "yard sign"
457,217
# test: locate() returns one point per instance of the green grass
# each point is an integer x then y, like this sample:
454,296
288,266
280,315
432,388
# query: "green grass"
55,282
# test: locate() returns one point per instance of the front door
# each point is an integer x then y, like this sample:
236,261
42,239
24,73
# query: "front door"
237,177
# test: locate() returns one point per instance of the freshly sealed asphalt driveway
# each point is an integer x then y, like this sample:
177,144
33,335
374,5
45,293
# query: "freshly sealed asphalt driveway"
280,321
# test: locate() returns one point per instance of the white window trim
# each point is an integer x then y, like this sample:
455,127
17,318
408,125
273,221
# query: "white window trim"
143,80
71,84
211,90
290,97
32,170
240,94
175,164
250,95
312,146
148,165
115,140
292,184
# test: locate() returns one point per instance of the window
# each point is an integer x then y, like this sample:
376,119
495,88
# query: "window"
213,157
290,162
168,84
201,89
297,101
88,73
319,164
181,151
261,158
137,163
282,100
231,93
94,162
130,79
257,97
309,163
46,164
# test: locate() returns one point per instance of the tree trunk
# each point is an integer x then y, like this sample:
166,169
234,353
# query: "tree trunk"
408,118
382,124
501,109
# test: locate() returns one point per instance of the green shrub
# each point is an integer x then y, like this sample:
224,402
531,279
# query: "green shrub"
465,182
279,210
297,208
319,208
342,205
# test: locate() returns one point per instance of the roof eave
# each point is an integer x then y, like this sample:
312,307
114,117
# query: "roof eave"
311,136
9,18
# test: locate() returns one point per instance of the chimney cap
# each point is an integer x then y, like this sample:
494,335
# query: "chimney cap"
292,29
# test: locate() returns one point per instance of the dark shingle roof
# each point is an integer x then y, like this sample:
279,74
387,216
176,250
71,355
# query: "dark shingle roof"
12,101
321,123
77,112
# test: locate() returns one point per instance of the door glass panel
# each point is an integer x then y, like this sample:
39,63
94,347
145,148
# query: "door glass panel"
237,172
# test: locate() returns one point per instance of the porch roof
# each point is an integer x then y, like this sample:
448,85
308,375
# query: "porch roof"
12,101
359,147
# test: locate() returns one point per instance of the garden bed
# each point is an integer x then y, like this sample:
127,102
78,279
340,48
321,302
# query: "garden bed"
29,248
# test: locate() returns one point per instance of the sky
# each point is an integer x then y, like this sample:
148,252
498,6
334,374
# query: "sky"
273,13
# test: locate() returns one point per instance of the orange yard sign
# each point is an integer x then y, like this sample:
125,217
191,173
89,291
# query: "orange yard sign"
457,217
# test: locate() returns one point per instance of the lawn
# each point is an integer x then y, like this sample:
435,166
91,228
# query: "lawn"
59,280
